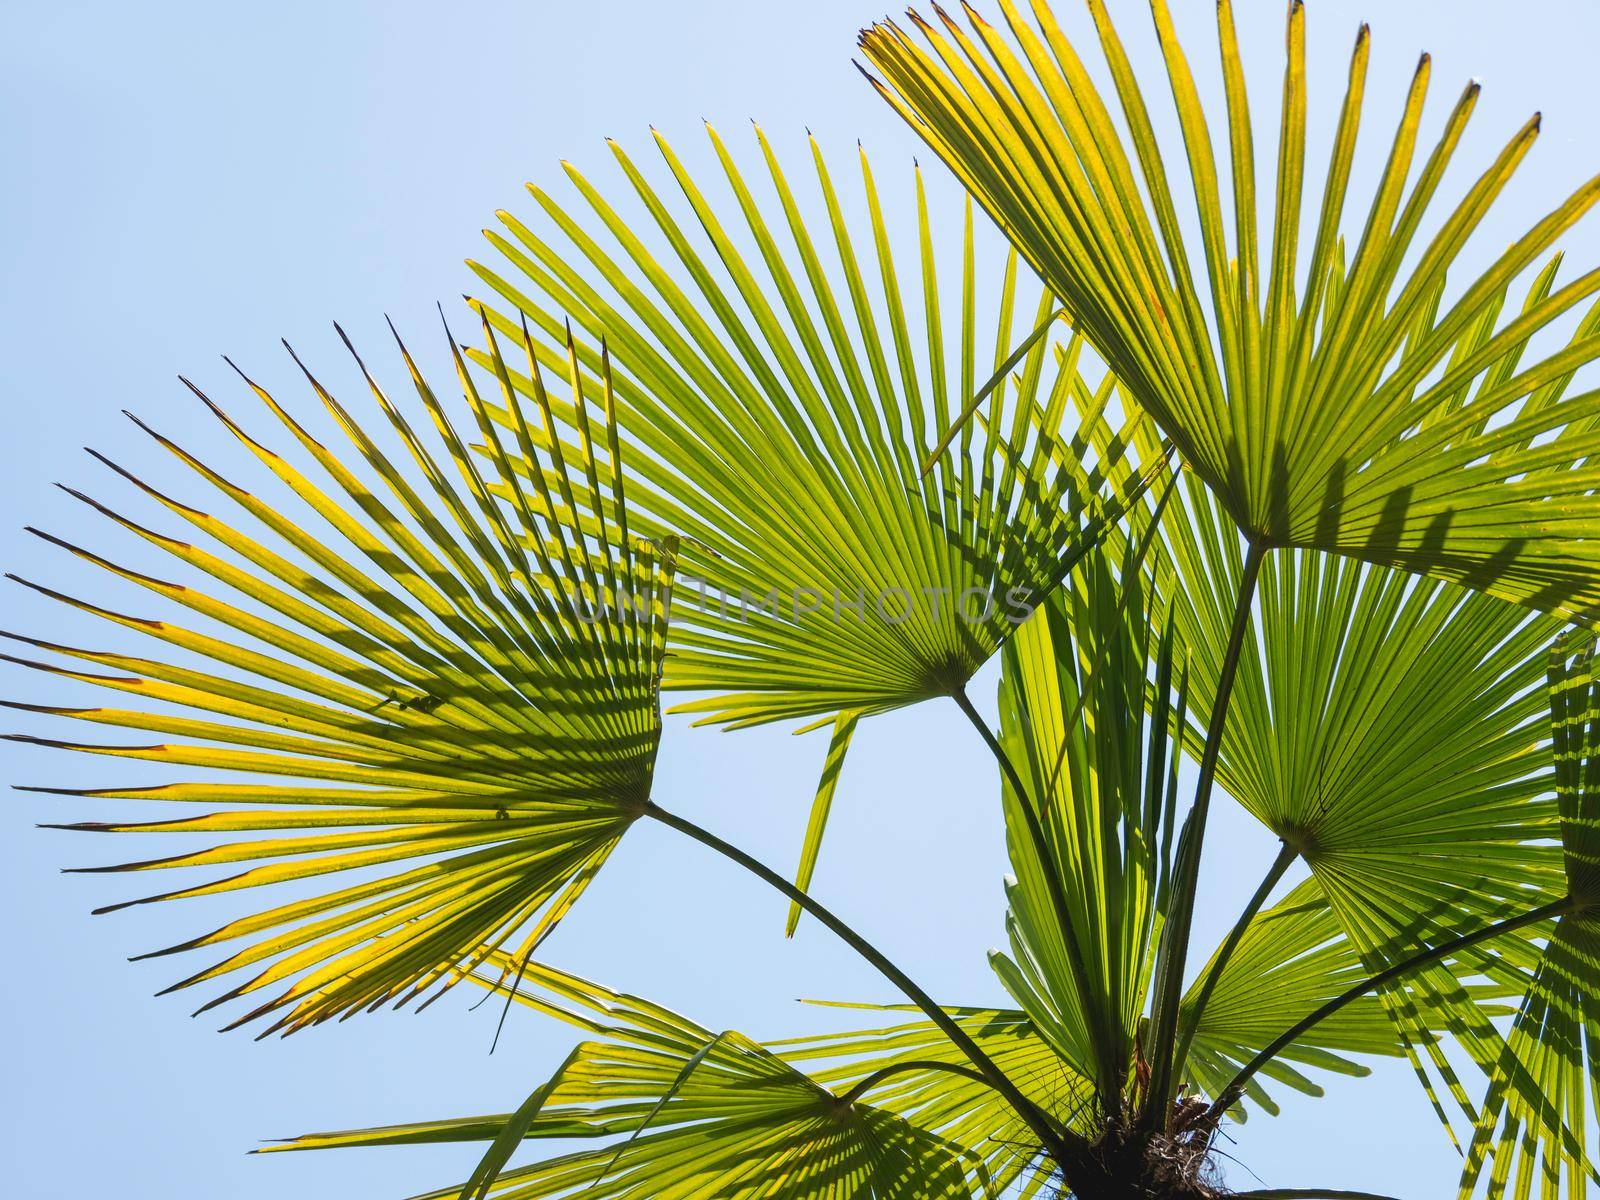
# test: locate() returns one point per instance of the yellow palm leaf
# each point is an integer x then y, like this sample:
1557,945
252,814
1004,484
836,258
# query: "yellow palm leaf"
438,689
1329,404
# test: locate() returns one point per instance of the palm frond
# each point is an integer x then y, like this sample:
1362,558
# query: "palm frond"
688,1112
432,683
1344,408
782,381
1391,732
781,422
1292,958
910,1062
1101,780
1535,1124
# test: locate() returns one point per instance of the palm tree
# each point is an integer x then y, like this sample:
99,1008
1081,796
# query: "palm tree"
1320,529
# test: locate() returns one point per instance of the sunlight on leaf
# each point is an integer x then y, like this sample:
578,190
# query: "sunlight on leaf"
1329,401
446,711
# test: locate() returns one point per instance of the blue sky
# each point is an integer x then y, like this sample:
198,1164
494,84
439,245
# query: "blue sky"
187,180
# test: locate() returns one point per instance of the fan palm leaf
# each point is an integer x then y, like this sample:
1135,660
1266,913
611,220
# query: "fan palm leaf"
1076,683
686,1112
780,381
1292,958
424,676
781,421
1327,408
1098,779
909,1065
1535,1126
1390,732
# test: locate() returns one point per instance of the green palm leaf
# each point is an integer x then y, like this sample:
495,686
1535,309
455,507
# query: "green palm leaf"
1346,409
423,677
909,1066
1535,1120
1391,733
1100,782
781,382
1292,958
781,420
688,1113
1086,990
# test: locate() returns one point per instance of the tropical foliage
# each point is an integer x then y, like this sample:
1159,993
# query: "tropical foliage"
1309,524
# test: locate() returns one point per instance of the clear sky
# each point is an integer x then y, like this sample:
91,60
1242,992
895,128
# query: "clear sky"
184,180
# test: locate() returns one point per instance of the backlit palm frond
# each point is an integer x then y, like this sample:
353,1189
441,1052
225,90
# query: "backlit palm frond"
1536,1125
909,1064
682,1111
431,684
783,383
1100,777
1391,732
786,386
1292,958
1332,406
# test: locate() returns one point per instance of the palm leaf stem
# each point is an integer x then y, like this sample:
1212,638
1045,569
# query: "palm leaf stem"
1061,1144
1111,1072
1009,770
1175,937
1230,1094
1286,855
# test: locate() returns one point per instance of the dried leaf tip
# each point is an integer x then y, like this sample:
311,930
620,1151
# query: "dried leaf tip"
237,370
445,321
